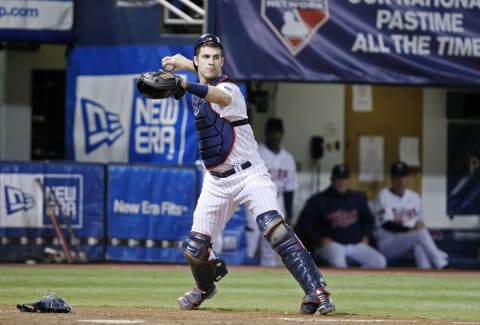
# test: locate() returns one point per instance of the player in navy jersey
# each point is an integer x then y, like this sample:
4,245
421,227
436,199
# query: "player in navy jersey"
337,224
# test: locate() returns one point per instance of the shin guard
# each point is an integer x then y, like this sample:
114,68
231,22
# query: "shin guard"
294,255
206,269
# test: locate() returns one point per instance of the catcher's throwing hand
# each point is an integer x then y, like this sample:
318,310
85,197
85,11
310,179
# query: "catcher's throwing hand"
177,62
161,84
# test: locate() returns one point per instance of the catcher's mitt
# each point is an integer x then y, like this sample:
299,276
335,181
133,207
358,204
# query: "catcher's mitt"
160,84
50,303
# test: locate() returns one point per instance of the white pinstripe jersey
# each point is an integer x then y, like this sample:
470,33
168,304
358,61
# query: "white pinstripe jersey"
253,186
245,146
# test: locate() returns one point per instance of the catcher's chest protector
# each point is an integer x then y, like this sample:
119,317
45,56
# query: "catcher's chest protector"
215,134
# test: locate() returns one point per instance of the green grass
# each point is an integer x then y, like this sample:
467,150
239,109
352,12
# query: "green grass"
396,294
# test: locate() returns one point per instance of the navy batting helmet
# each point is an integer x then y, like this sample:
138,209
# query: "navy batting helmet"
207,38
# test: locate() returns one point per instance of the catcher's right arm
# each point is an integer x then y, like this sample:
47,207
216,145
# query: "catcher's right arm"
161,84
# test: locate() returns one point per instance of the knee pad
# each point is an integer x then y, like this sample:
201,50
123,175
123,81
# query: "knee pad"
278,233
196,248
267,221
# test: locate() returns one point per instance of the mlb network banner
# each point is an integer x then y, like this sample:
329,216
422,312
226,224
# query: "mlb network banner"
463,169
366,41
109,121
36,20
149,215
74,192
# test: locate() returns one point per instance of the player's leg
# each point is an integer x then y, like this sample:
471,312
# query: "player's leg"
206,269
399,244
260,196
335,254
252,235
366,256
395,245
421,258
209,219
435,256
298,261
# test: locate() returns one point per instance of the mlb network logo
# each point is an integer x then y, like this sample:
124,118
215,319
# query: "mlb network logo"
16,200
101,126
295,22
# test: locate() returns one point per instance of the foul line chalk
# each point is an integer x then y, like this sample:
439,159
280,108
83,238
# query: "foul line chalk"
330,320
110,321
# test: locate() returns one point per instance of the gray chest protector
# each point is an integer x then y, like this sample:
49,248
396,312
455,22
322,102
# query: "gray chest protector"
216,135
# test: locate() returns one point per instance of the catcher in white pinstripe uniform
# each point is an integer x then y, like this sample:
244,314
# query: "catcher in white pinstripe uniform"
236,175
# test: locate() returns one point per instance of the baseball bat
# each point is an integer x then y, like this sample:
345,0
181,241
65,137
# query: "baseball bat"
81,257
56,225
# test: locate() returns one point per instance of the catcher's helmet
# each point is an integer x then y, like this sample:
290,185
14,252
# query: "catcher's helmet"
207,38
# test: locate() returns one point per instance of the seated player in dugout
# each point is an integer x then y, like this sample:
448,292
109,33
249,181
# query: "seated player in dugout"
400,223
337,224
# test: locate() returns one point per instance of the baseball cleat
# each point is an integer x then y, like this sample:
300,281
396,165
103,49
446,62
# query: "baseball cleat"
319,300
193,299
328,307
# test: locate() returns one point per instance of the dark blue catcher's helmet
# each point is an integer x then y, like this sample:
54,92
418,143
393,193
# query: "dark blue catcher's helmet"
207,38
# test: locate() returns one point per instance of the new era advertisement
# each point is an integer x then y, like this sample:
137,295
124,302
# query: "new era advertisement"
108,120
34,195
150,210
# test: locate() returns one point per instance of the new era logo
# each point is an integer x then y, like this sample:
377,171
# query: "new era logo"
17,200
295,22
101,126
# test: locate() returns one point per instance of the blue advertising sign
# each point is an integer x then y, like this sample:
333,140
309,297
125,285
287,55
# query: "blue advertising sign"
149,215
424,42
75,194
463,169
149,211
109,121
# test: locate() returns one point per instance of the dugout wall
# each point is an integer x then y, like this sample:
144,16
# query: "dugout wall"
117,212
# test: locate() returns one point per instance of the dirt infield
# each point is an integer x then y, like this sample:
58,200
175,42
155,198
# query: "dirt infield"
144,316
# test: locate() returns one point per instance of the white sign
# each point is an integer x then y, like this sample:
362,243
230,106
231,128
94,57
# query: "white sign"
362,98
103,117
409,148
36,15
371,158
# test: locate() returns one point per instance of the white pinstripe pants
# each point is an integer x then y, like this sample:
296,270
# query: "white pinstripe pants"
220,197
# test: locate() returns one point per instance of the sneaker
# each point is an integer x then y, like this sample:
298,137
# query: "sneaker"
193,299
319,300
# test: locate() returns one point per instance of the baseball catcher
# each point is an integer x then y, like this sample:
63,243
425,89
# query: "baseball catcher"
161,84
235,174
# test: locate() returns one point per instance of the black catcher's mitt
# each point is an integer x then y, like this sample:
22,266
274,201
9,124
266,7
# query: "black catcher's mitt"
160,84
50,303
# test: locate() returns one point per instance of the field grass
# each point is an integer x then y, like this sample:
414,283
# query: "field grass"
452,296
